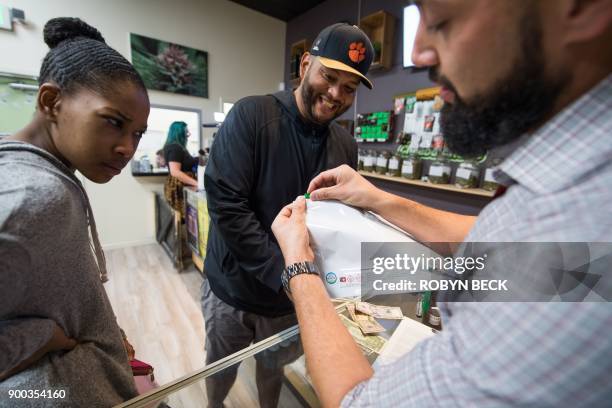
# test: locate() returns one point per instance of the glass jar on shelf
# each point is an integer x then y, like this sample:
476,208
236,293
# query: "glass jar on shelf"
489,182
467,175
395,166
439,172
412,167
360,157
368,161
382,162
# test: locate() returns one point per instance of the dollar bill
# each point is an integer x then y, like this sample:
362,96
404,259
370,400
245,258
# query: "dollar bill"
380,312
370,342
367,324
351,309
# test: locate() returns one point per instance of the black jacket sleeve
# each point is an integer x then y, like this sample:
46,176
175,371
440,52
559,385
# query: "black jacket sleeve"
354,154
228,180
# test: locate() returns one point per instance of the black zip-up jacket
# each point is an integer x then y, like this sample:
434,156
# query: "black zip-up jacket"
263,157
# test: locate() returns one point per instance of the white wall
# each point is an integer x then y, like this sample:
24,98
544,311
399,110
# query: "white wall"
245,56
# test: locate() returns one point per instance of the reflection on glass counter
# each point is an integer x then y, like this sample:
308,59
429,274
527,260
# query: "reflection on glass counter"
394,338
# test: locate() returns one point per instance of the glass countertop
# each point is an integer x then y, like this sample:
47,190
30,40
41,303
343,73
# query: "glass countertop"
281,349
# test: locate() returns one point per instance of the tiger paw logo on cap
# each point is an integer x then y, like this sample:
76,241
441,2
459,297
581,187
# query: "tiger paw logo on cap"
356,52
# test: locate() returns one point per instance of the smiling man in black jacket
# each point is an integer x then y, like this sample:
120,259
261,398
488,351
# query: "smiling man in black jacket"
264,155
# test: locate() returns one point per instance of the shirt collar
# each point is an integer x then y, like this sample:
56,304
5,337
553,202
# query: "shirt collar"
565,149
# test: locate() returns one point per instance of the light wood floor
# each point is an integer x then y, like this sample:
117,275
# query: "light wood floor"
159,309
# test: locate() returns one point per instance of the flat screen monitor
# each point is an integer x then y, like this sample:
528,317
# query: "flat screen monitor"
411,23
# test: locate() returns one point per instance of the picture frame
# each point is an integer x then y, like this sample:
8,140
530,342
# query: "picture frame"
169,67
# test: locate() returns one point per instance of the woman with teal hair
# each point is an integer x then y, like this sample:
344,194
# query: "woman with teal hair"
177,134
180,164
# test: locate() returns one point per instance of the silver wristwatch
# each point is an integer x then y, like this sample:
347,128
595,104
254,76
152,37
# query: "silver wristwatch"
296,269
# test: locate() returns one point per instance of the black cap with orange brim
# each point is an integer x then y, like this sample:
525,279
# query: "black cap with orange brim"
345,47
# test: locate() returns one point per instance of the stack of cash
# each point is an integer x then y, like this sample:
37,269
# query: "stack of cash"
363,325
365,315
366,323
369,343
379,312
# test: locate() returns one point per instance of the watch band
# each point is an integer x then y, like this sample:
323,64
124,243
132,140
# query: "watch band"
296,269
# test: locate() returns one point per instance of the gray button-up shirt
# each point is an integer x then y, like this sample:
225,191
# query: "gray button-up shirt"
525,354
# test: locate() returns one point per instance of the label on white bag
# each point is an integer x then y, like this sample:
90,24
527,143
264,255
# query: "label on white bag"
381,162
489,176
368,161
393,164
331,223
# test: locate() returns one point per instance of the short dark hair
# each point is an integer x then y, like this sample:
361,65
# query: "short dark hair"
79,57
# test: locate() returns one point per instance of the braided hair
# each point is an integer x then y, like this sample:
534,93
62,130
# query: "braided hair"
79,57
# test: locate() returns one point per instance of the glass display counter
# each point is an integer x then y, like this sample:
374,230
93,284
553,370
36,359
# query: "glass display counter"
284,347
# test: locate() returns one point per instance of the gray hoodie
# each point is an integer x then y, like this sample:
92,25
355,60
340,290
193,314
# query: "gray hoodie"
50,271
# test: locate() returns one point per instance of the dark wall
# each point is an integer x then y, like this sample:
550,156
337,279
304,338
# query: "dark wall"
387,83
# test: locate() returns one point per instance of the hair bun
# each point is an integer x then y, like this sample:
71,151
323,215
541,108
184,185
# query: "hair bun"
65,28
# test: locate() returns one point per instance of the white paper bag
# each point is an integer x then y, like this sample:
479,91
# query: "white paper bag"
336,233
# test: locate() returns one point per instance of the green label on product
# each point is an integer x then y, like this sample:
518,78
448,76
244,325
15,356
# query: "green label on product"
410,102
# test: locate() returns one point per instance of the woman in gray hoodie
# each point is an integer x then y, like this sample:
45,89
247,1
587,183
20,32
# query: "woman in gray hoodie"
59,339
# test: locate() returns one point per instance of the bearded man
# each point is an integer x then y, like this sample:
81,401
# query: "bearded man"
264,155
530,82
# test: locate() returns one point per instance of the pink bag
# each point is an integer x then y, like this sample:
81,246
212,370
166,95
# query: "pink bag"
145,383
144,378
141,368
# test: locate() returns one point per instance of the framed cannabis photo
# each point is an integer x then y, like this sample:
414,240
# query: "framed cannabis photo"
169,67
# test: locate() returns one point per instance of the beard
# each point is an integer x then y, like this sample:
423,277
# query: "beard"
514,105
309,99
